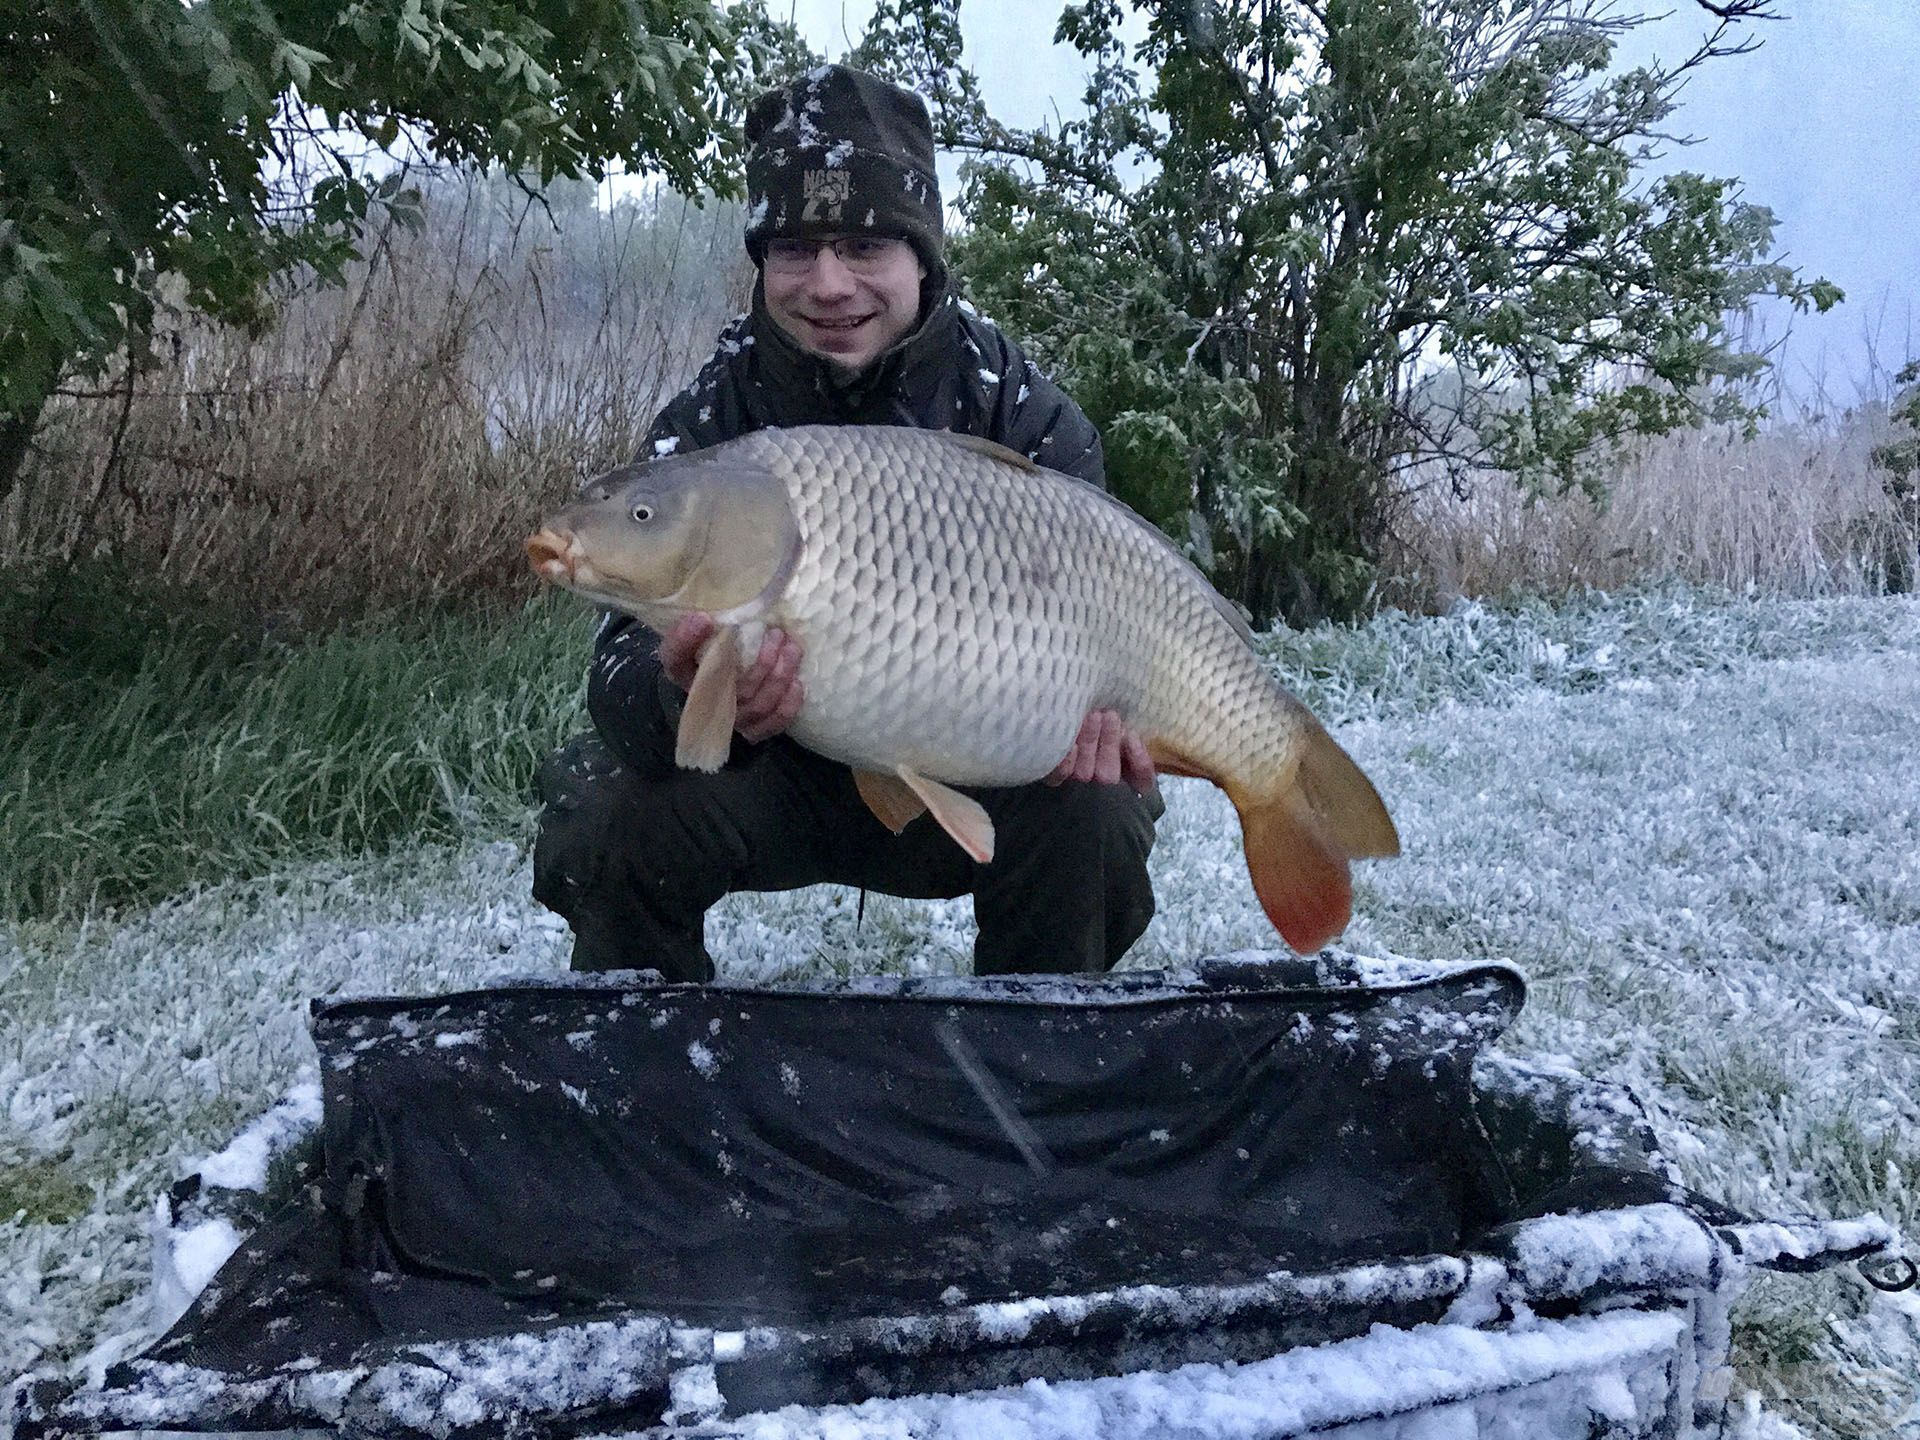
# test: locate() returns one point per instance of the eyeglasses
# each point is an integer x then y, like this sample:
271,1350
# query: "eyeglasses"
862,254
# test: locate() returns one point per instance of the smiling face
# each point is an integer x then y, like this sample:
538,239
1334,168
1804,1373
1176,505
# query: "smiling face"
849,316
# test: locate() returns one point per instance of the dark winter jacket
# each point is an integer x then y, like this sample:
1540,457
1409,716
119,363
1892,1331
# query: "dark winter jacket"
955,372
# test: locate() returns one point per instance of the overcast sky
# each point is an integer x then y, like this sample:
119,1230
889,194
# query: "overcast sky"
1822,124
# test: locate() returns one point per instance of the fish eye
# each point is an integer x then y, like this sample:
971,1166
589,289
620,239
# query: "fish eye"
643,512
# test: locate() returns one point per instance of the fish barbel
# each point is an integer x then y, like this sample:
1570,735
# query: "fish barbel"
960,611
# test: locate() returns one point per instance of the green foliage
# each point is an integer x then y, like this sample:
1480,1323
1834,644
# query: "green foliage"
1900,457
1295,251
43,1192
145,747
154,149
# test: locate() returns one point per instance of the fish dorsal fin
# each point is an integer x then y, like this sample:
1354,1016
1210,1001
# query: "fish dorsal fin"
993,450
959,815
705,738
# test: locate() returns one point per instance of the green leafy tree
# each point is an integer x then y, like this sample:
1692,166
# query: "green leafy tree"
1900,459
1296,249
217,146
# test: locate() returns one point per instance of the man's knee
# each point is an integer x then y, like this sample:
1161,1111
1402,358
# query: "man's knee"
580,787
632,865
604,831
1124,823
1069,888
1107,821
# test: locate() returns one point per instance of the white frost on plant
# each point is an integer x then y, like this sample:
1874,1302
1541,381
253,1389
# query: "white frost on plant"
1697,842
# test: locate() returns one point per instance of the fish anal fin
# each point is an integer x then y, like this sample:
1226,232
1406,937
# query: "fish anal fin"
705,738
959,815
1299,874
890,798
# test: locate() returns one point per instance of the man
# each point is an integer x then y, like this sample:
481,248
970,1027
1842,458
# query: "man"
854,322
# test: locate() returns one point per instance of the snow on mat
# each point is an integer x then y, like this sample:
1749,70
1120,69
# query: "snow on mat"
1569,1373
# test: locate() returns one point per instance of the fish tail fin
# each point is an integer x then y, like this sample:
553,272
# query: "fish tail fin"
1300,839
1341,797
1301,878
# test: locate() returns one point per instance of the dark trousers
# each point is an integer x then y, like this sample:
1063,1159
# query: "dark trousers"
633,865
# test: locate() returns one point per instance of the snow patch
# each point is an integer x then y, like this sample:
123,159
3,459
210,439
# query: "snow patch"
242,1165
185,1260
1560,1370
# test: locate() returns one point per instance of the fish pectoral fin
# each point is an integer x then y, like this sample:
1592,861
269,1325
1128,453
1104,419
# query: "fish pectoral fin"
705,738
959,815
890,798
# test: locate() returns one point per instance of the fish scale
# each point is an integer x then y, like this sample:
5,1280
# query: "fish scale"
961,614
960,611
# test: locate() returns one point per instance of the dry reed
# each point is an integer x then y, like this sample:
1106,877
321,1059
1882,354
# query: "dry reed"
1795,510
386,446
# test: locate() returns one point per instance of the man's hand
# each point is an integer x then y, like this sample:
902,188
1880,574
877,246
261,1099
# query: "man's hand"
1106,751
769,693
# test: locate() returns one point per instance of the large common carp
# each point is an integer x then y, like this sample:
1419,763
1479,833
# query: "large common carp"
960,611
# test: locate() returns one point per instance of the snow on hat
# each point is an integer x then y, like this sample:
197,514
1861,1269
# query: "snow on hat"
838,150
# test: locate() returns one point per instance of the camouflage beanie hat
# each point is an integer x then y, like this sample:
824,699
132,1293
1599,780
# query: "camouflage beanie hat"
839,151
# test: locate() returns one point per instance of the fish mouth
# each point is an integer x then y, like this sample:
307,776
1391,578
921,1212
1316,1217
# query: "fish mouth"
555,555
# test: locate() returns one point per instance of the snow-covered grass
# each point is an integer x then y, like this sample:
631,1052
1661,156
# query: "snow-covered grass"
1694,822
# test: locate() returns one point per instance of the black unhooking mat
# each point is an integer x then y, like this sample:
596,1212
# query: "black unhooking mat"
733,1157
